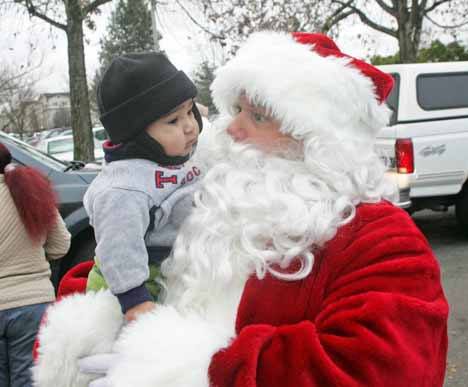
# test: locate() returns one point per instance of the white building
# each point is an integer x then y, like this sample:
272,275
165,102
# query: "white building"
50,105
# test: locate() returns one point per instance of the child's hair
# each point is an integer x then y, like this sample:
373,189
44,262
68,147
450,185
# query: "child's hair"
33,195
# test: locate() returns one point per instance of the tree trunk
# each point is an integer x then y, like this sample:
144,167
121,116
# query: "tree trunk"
408,48
79,101
409,32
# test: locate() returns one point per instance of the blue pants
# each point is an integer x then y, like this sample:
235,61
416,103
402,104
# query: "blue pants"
18,329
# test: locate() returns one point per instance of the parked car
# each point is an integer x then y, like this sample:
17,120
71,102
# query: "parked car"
70,181
56,132
61,147
426,143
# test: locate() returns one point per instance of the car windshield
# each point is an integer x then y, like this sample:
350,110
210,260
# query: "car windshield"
60,146
37,154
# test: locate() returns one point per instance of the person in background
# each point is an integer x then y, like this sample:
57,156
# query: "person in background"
31,233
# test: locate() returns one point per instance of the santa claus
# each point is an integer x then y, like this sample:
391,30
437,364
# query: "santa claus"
293,269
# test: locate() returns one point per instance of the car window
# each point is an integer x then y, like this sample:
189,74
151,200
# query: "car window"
442,91
35,153
100,134
60,146
392,100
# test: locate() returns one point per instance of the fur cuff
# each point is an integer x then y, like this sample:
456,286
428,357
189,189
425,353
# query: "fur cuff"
167,349
77,326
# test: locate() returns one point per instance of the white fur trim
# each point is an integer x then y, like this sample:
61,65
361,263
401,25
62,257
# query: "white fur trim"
308,93
167,349
77,326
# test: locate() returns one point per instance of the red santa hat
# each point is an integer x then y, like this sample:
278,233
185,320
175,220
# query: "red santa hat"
308,84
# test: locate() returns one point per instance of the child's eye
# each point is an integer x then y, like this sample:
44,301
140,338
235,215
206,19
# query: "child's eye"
174,121
236,109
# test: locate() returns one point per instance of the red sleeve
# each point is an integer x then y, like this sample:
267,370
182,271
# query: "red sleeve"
382,320
75,279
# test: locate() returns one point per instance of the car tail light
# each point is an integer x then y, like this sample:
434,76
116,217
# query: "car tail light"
404,155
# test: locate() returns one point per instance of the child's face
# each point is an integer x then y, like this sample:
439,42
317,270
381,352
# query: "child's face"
178,131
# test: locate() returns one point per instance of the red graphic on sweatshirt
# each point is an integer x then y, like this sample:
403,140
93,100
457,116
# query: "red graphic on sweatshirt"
190,175
161,179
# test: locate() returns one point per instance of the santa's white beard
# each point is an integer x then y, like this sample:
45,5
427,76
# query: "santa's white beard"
254,211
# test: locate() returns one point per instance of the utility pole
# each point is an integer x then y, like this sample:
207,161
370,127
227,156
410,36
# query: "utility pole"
156,35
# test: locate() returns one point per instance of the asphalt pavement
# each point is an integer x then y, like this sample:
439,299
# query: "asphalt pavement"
451,248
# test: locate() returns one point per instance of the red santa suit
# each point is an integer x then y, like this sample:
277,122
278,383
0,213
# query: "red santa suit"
290,273
371,313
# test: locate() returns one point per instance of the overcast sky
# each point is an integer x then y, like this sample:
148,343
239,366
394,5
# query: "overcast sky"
182,41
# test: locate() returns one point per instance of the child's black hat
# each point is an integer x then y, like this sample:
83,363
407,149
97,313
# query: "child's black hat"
139,88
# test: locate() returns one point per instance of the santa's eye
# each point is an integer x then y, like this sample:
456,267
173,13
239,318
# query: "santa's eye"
259,117
236,109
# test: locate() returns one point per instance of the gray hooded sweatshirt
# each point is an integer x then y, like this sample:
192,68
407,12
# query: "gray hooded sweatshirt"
136,206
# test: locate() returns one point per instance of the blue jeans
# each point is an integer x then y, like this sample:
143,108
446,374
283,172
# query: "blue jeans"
18,329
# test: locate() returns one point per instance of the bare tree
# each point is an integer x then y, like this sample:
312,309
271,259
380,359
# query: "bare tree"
70,16
16,102
405,18
230,22
34,121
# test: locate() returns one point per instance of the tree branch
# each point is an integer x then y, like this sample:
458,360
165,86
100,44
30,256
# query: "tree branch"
336,17
331,22
203,28
34,12
370,22
448,27
387,8
435,5
92,6
417,12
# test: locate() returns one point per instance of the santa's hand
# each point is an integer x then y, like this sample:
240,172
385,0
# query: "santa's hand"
98,365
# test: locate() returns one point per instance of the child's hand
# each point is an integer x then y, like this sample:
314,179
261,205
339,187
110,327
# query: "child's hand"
134,312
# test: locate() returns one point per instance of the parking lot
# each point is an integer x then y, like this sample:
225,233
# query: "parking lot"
451,247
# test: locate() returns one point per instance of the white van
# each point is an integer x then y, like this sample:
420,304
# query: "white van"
426,143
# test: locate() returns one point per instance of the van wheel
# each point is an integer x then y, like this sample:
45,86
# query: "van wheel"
461,210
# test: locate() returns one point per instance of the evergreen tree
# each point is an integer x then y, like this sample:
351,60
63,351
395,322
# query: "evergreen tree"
439,52
203,78
436,52
129,30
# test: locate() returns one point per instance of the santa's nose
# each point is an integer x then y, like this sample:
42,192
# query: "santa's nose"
236,130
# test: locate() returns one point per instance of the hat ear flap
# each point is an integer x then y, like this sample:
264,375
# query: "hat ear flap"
197,116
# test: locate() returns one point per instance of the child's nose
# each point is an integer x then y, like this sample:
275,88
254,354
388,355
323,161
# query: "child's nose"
189,126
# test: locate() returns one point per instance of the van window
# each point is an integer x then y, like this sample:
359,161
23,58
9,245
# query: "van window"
442,91
392,99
